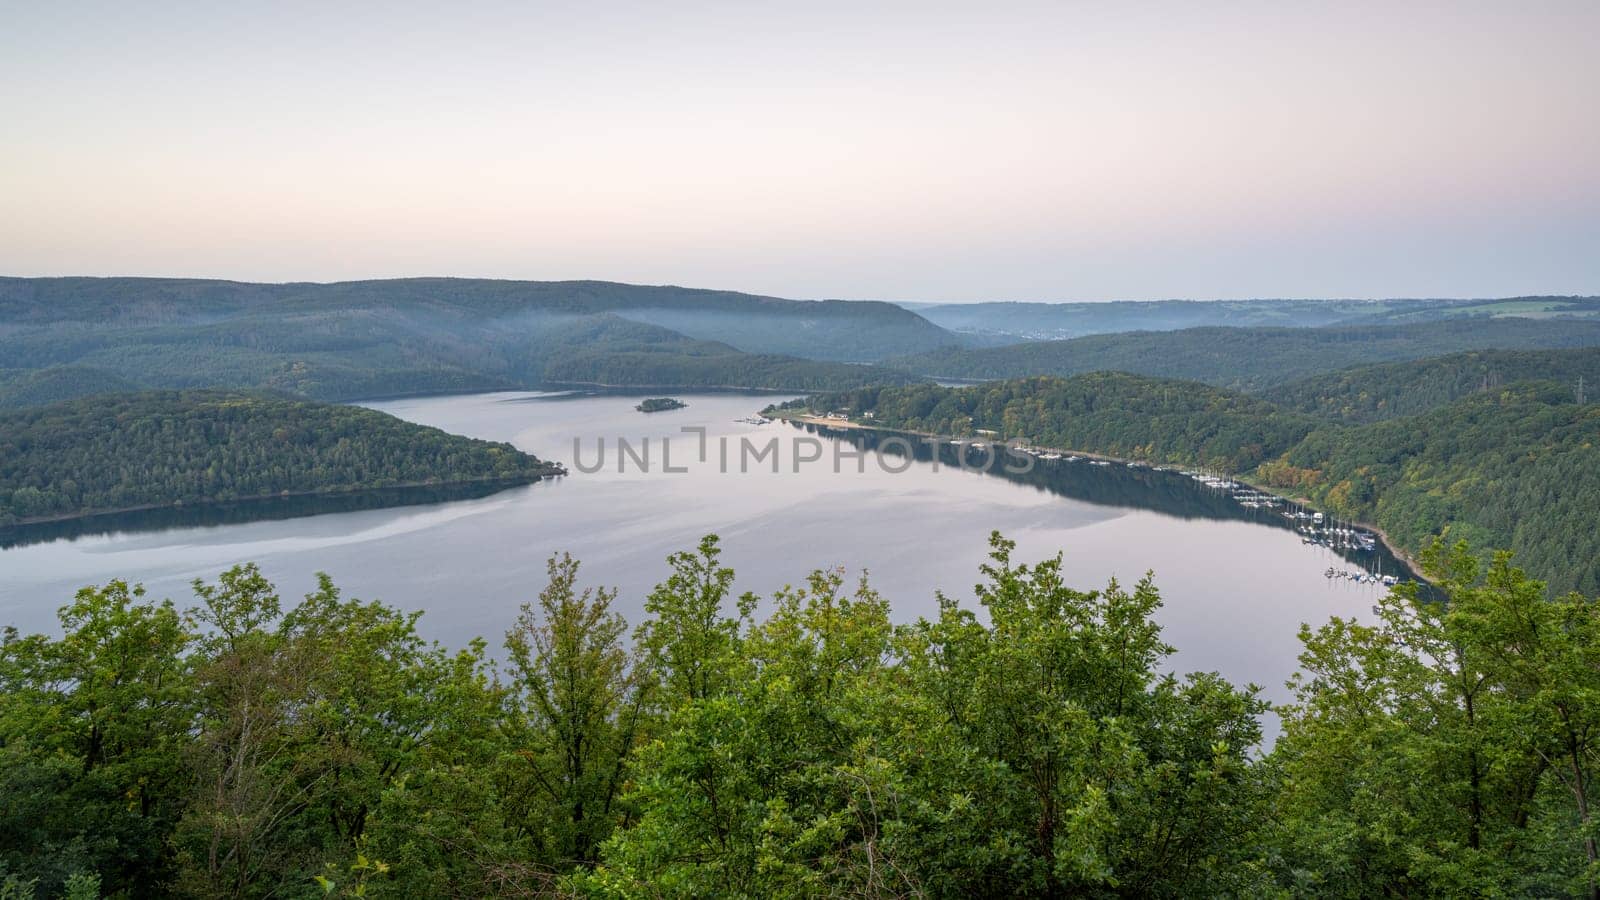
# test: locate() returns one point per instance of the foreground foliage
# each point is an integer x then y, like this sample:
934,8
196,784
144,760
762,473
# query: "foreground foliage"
1033,746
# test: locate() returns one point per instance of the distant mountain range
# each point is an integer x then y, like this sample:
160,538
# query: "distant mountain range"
364,339
62,338
837,330
1251,358
1054,321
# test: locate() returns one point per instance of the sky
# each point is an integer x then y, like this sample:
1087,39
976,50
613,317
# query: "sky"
906,151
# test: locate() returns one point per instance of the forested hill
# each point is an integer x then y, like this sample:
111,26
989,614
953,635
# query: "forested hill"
39,387
1515,467
1252,358
1385,391
161,448
344,342
1114,413
851,331
610,350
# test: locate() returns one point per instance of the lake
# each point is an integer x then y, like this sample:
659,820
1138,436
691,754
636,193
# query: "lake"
1236,583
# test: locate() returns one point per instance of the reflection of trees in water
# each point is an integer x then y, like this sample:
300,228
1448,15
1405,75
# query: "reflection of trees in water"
1116,485
214,514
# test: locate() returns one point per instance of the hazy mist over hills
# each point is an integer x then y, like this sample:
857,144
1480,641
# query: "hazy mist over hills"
379,338
1047,321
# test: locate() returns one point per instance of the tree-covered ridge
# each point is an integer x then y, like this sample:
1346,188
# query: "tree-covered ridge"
1516,467
41,387
162,447
169,299
830,329
1389,390
245,747
1105,412
1253,358
344,354
608,350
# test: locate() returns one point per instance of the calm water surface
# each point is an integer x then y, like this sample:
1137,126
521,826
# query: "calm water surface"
1236,583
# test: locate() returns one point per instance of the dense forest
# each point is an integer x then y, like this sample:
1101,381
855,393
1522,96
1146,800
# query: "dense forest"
39,387
162,448
1033,744
1105,412
1253,358
1387,390
1514,466
1517,467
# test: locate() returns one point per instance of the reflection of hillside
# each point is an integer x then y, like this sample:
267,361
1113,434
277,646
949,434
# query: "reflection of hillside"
1167,493
214,514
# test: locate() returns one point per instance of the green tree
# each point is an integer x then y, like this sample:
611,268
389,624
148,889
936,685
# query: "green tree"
577,704
93,725
1446,749
1117,779
309,718
688,641
748,790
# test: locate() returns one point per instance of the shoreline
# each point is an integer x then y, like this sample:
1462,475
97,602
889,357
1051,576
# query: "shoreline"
844,424
546,386
282,495
682,388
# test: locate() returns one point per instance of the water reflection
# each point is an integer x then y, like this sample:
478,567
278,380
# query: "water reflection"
262,510
1117,485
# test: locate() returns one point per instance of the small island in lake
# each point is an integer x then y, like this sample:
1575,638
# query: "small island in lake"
659,404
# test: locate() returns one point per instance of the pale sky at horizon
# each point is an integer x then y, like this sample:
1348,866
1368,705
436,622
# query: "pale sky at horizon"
926,151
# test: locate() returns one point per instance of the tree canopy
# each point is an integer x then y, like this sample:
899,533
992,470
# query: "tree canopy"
1032,743
161,448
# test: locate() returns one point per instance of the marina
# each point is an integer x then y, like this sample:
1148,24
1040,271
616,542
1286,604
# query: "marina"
1315,527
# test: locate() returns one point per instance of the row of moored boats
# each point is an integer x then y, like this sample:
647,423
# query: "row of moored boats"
1362,577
